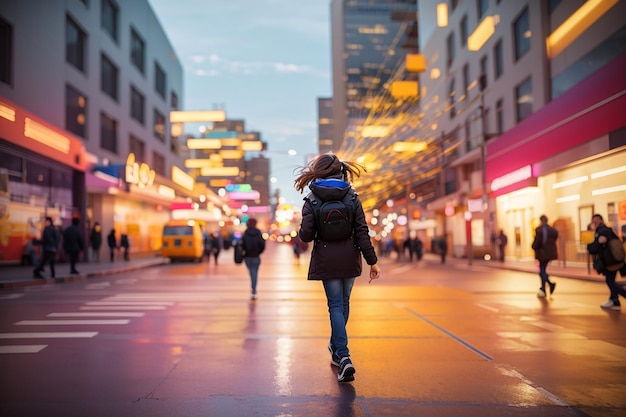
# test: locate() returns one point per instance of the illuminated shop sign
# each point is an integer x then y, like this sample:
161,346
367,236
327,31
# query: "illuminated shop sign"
511,178
140,175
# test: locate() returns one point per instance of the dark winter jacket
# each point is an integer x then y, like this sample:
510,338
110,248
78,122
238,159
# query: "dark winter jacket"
545,251
340,258
96,238
596,248
253,242
73,239
50,239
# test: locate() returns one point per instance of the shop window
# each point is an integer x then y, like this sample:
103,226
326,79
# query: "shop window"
6,52
108,133
137,51
75,44
159,126
524,99
137,105
75,111
110,18
160,80
109,77
498,59
522,34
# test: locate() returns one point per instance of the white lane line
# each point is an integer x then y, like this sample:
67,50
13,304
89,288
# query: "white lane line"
22,348
68,322
123,307
513,373
98,286
48,335
486,307
11,296
129,303
98,314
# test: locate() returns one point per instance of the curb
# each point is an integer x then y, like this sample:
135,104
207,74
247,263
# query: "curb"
80,277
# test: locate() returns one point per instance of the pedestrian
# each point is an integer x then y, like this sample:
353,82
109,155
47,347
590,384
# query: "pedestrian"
50,240
253,246
336,263
419,248
95,238
73,243
216,246
442,245
544,246
501,240
125,244
112,242
602,235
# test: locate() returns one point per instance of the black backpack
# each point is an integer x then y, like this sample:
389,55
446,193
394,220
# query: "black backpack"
333,218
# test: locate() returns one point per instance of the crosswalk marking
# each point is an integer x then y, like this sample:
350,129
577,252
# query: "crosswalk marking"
98,314
68,322
48,335
22,348
124,307
129,303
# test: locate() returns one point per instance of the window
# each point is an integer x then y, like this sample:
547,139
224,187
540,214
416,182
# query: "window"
108,133
159,80
109,18
466,80
521,30
137,105
138,147
524,99
158,163
498,60
500,116
75,111
108,77
174,100
451,48
482,8
552,5
483,71
6,52
75,44
451,94
137,51
454,4
463,31
159,126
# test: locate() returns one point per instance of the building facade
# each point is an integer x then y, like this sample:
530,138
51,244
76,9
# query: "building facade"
95,81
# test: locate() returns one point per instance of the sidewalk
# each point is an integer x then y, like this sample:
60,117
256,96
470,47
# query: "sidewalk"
21,276
15,276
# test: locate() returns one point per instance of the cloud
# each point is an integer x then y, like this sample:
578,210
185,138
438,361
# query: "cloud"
212,65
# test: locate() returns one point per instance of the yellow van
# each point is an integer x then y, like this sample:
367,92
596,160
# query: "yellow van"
183,240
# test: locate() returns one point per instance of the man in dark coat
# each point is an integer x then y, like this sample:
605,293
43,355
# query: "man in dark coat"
253,246
73,243
544,246
602,235
96,241
49,242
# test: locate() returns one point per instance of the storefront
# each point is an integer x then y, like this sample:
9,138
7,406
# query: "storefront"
42,173
567,161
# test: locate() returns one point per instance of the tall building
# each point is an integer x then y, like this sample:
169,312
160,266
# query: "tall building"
522,109
86,88
370,39
325,125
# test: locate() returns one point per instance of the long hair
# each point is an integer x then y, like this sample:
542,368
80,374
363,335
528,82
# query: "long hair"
326,166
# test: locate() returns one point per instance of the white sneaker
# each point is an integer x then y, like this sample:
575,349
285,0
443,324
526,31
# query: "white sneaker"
541,293
253,296
610,304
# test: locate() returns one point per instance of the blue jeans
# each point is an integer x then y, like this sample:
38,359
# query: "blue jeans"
253,267
338,298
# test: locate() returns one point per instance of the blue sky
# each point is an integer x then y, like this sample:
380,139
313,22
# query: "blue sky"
265,61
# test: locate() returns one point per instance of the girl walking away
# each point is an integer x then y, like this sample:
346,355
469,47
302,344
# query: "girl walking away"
253,246
337,251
